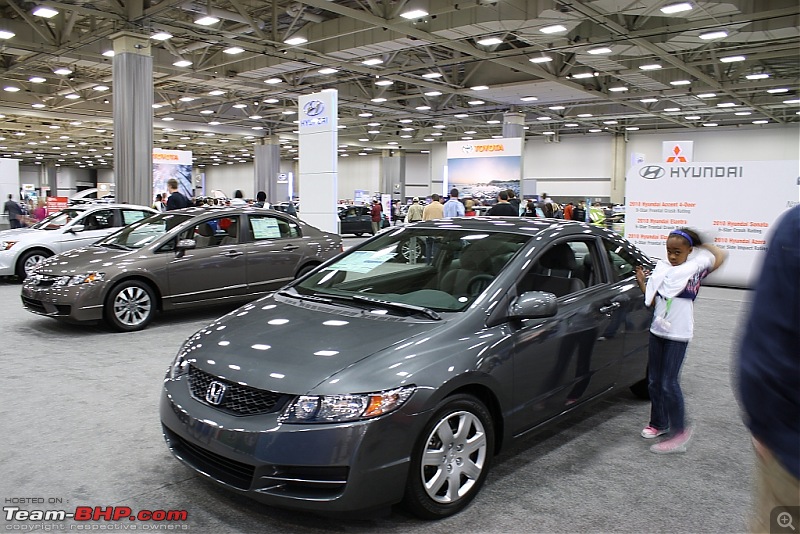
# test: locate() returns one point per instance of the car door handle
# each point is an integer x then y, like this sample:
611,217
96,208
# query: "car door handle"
610,308
231,253
290,247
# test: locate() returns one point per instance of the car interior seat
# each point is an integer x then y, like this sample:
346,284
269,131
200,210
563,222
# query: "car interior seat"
476,267
232,235
555,272
205,232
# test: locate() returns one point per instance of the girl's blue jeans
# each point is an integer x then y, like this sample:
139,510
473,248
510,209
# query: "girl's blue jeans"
664,362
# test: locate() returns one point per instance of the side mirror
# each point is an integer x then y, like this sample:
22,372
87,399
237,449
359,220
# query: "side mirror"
77,228
185,244
533,305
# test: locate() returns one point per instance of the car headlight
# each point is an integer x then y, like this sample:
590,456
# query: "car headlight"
5,245
77,279
339,408
180,365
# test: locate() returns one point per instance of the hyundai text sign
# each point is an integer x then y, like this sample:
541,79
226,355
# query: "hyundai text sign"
317,112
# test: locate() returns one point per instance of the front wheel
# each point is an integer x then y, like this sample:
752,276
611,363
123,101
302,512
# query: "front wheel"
29,261
130,306
450,462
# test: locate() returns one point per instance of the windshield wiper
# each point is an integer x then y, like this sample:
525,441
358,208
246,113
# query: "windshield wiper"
114,245
296,295
400,305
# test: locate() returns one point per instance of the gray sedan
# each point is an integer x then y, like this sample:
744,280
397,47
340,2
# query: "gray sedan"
177,260
395,372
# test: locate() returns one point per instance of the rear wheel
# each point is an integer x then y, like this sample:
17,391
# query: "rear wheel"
305,270
450,462
130,306
28,262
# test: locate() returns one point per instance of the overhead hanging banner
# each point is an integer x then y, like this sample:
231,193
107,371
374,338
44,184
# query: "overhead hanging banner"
481,169
172,164
732,203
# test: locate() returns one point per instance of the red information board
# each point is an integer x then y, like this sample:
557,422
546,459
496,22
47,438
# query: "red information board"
55,204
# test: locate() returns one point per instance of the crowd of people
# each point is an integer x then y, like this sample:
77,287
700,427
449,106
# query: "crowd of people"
173,199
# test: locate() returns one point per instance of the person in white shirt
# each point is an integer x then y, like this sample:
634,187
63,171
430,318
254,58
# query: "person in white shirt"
238,198
453,207
672,287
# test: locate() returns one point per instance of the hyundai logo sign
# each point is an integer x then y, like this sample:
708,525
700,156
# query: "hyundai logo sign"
313,108
652,172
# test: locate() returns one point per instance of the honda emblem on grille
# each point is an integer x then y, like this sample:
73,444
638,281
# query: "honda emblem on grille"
215,392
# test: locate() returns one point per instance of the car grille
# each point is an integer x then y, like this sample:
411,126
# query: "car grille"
303,482
236,474
37,306
238,399
43,280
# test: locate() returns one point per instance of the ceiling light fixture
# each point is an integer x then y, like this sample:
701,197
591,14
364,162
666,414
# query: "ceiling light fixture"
461,116
632,128
295,40
540,59
743,113
584,115
732,59
206,20
63,71
101,88
182,63
378,100
489,41
529,99
36,79
108,53
600,50
669,110
431,75
582,75
676,8
759,76
618,89
555,28
761,121
5,34
216,92
648,100
652,66
680,82
433,93
476,102
371,62
44,12
161,36
328,70
423,108
479,87
233,50
384,83
414,14
706,95
186,99
11,89
720,34
777,91
556,108
273,81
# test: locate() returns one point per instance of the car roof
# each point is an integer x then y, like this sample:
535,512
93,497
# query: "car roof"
104,206
519,225
224,210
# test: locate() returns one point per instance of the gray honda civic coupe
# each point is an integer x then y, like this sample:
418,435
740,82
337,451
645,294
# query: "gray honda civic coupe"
397,370
177,260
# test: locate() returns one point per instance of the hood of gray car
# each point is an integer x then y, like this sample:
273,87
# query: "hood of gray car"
87,259
292,347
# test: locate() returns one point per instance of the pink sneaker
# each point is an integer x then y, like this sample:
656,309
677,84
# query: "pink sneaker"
650,432
675,444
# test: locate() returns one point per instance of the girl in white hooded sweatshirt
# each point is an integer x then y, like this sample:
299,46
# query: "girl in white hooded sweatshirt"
672,287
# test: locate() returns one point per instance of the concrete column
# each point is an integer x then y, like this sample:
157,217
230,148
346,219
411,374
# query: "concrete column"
133,118
267,165
513,127
618,169
393,173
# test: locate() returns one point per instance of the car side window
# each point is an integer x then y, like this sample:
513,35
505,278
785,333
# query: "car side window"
99,220
562,269
213,232
623,264
131,216
264,227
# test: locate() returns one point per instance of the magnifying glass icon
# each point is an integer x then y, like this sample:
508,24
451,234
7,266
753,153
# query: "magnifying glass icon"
785,520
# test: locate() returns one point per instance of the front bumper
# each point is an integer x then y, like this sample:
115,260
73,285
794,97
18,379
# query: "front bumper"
341,467
8,261
83,302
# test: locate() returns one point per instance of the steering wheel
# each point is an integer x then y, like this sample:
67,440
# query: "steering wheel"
478,283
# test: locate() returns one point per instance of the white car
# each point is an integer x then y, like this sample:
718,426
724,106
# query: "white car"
21,249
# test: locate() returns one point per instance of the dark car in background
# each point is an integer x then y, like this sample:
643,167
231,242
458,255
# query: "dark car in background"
358,220
177,260
396,371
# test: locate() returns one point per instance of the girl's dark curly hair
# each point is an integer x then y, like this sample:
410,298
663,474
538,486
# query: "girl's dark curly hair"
695,237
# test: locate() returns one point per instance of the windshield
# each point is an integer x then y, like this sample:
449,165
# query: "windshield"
144,232
58,219
435,268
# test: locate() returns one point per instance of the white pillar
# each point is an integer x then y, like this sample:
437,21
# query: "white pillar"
319,135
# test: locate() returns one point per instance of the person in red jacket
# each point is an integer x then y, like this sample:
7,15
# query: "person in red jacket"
376,211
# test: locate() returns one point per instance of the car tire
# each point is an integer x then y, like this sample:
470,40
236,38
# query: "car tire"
305,270
641,388
440,485
405,250
29,260
130,306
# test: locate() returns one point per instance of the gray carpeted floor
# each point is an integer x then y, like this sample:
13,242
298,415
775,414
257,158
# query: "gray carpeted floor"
79,407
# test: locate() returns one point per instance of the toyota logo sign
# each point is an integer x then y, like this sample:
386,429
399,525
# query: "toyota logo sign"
652,172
